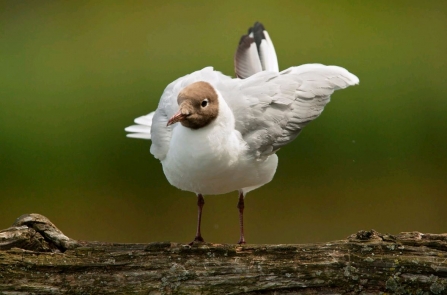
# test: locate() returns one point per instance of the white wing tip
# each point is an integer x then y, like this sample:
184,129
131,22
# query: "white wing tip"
143,129
139,135
145,120
353,79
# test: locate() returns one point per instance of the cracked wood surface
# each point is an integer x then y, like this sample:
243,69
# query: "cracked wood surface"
37,258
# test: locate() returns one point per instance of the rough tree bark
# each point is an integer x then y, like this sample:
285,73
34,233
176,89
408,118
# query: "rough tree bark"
37,258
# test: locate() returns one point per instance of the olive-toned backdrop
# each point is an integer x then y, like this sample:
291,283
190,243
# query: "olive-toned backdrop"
74,74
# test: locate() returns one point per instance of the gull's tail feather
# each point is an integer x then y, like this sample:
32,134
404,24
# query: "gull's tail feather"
255,53
143,129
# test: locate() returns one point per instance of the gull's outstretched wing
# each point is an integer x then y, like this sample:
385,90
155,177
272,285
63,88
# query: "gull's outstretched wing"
272,108
255,53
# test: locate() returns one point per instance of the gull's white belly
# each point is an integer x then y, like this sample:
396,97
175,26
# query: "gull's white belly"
209,162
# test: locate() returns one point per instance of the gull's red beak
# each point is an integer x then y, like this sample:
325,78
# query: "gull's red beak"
176,118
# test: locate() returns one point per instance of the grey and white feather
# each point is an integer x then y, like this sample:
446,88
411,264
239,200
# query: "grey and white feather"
255,53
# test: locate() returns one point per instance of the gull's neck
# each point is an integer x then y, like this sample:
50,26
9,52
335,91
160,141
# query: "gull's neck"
225,118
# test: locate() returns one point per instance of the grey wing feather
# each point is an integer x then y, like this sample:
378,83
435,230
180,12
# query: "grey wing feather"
272,108
246,59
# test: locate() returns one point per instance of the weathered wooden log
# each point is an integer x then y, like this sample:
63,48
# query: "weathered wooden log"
37,258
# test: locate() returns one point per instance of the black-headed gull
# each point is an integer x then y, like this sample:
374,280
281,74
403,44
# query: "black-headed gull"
214,134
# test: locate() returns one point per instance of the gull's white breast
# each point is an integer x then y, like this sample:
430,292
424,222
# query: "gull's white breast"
213,159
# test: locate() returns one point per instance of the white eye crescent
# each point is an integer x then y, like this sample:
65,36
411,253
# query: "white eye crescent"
204,102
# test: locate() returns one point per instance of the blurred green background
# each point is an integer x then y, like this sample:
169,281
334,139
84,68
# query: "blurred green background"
73,74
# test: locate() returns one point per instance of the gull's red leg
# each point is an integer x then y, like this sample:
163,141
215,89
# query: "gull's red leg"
200,203
241,207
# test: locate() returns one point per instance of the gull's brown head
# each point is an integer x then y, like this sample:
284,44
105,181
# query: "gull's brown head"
198,106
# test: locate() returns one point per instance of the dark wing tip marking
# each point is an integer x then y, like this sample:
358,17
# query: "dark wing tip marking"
258,34
245,42
256,27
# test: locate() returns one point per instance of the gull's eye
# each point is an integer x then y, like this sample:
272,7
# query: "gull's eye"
204,102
